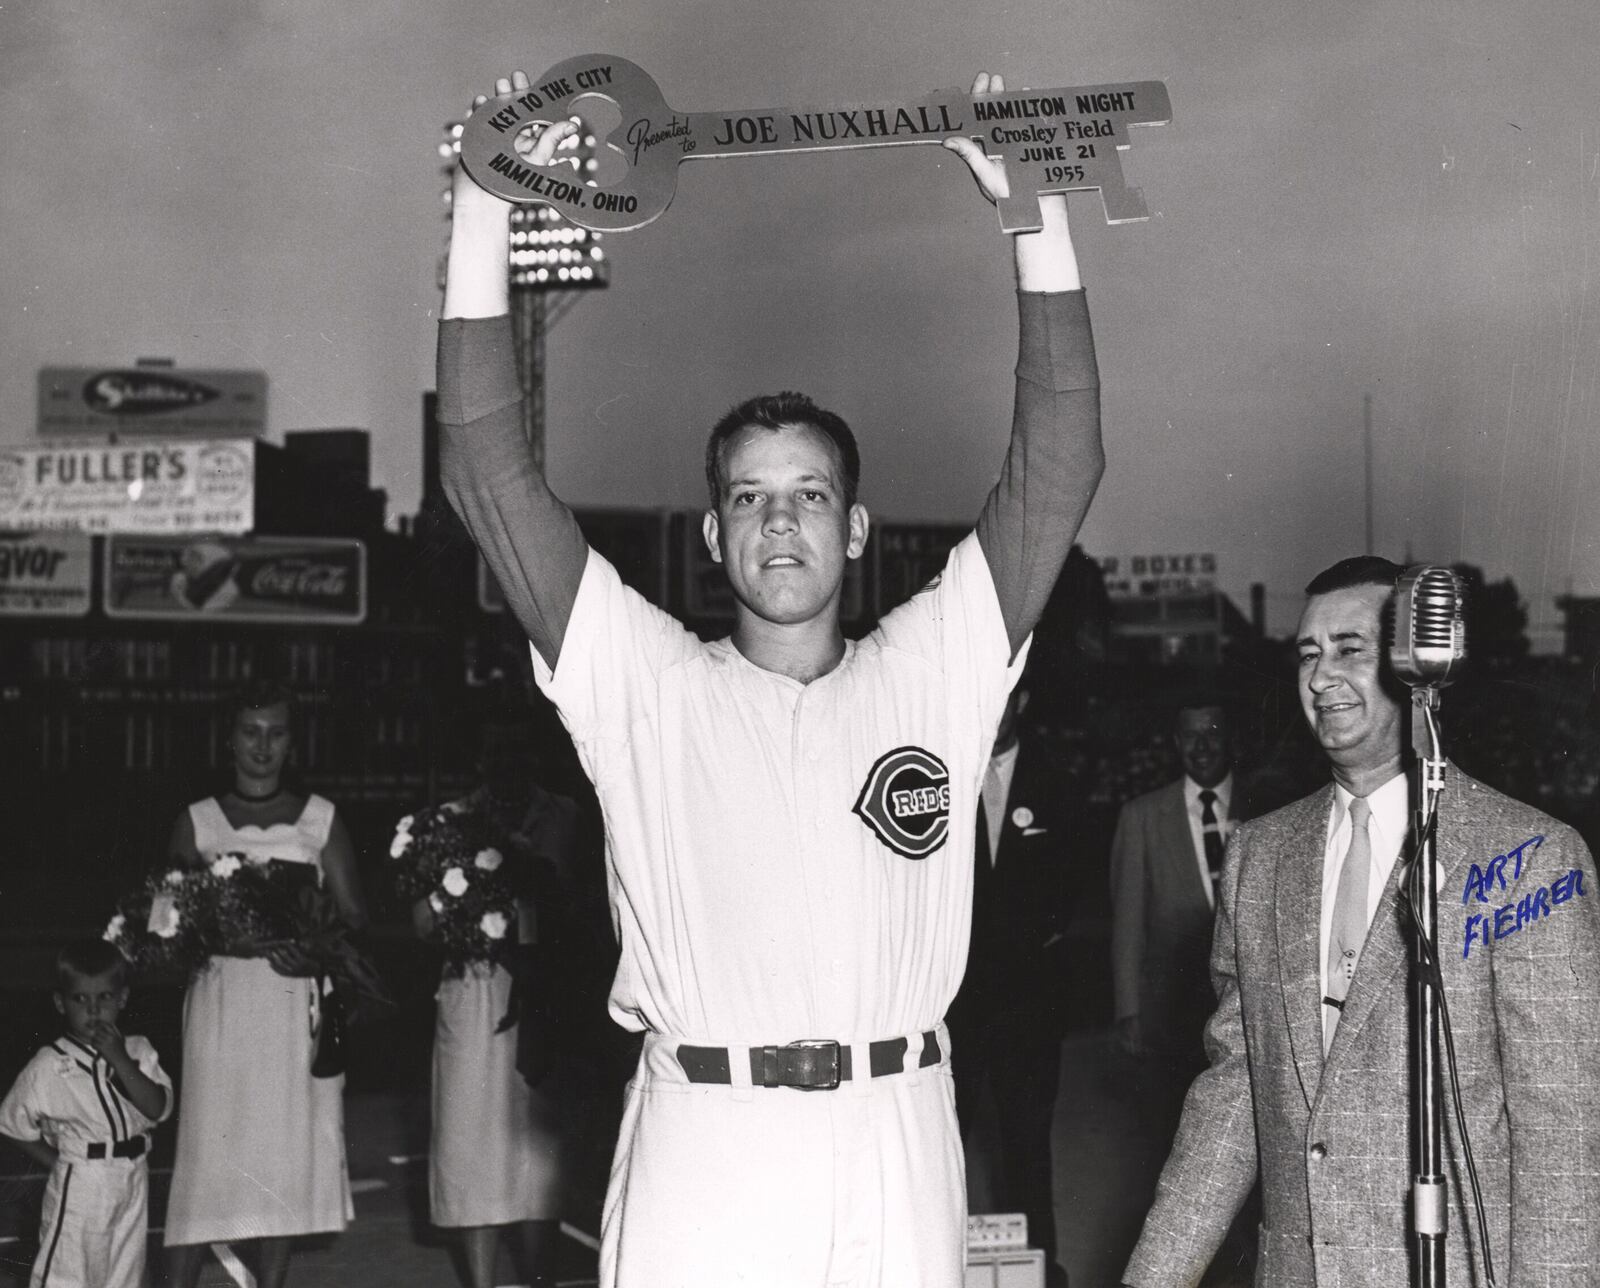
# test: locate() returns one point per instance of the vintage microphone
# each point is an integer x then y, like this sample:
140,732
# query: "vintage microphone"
1427,651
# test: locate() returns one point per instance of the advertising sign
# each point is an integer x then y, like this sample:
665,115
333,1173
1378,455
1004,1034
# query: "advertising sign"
152,400
45,574
159,486
1176,574
257,579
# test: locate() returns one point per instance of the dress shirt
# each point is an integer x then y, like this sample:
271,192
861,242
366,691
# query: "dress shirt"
996,792
1197,829
1391,809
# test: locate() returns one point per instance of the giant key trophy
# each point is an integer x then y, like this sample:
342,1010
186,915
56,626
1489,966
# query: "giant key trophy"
1051,140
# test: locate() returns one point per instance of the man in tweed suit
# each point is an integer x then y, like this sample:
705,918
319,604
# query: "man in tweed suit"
1316,1096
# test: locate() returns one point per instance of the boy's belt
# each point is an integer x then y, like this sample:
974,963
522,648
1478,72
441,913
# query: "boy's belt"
818,1065
133,1148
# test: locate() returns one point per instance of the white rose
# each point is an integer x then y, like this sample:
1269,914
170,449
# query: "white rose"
225,865
404,825
175,877
455,882
494,924
114,928
436,903
164,919
401,843
488,859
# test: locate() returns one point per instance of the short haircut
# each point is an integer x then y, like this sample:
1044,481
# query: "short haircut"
1202,700
258,695
1358,570
86,958
774,411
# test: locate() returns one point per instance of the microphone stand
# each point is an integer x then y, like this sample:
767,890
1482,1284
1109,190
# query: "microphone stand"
1428,1209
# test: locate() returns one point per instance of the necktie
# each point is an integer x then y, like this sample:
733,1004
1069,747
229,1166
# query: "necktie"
992,812
1213,835
1349,929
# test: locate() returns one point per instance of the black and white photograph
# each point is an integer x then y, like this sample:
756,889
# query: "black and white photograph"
687,645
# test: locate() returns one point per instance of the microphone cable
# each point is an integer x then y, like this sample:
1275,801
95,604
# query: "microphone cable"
1415,892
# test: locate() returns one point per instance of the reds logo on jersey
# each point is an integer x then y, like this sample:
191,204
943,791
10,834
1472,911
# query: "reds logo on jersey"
906,801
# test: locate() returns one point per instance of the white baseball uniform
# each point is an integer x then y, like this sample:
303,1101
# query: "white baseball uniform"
92,1229
787,863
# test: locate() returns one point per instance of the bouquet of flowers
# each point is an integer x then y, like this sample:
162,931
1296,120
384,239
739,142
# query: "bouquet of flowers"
456,857
178,919
165,925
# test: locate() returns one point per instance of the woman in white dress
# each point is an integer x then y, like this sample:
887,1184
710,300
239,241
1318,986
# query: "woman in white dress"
495,1158
260,1152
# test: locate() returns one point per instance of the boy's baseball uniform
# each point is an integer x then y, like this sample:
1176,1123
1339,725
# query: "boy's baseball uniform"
92,1229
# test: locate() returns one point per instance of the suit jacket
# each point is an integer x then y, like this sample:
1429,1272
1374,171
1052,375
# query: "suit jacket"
1021,903
1161,921
1331,1137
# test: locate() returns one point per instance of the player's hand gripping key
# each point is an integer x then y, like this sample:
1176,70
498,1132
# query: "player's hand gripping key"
1053,140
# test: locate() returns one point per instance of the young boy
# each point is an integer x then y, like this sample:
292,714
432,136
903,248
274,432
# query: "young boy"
83,1107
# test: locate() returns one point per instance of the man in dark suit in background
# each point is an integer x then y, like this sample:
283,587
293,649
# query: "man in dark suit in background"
1008,1020
1166,860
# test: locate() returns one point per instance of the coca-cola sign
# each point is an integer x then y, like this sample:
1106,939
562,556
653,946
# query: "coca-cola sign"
262,579
152,400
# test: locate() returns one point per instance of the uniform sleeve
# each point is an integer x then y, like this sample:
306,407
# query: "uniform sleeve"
149,1063
529,539
954,623
1212,1165
1054,461
616,646
1546,986
21,1110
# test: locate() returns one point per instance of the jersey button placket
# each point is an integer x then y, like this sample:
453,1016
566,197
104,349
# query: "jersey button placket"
804,760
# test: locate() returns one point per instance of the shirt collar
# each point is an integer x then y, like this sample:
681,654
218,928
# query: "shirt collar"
1224,791
1003,760
83,1048
1391,805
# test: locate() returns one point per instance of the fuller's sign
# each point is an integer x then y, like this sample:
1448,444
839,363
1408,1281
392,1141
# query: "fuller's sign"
158,486
258,579
151,400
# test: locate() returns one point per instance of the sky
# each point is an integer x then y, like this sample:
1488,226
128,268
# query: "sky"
1389,198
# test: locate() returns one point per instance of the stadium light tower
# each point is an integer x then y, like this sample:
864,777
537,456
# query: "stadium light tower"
551,261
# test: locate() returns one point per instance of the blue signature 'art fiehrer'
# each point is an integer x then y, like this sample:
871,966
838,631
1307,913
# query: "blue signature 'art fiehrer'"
1509,918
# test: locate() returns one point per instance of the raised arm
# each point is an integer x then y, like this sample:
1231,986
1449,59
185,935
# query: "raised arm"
1055,458
528,537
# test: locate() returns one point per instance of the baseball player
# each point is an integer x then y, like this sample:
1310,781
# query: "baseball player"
83,1107
789,814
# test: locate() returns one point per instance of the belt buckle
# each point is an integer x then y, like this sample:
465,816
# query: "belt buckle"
825,1045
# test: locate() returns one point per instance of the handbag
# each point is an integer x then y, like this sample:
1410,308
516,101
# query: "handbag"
328,1056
